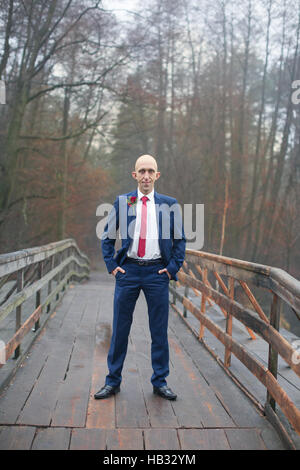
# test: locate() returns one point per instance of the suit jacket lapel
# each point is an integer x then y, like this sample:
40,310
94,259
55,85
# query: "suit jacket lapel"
131,212
157,201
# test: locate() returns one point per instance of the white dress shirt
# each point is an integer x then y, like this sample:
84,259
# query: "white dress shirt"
152,245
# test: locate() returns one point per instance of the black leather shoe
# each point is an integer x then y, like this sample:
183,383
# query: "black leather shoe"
164,392
107,391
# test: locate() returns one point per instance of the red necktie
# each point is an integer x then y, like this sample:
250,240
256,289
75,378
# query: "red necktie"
143,232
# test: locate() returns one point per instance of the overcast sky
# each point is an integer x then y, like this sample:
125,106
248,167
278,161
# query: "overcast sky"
119,5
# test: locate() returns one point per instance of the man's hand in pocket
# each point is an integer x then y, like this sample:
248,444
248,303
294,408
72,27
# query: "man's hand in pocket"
164,270
118,268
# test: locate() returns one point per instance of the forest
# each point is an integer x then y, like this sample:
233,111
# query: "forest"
207,87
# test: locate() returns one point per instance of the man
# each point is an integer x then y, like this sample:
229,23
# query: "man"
153,248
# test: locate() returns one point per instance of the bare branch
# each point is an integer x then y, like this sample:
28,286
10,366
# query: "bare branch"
32,196
53,49
65,137
7,36
78,84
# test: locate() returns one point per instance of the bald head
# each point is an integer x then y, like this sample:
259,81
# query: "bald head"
146,173
145,160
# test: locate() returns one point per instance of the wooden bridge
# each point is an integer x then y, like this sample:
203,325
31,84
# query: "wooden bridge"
234,392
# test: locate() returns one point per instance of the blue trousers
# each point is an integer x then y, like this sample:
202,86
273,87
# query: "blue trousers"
127,289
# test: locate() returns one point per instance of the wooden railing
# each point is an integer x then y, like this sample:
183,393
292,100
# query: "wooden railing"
27,272
194,274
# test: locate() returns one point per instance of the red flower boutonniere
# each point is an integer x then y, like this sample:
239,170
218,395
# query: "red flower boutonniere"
131,201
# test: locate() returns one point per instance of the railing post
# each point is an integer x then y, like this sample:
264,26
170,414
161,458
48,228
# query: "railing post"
174,292
203,302
186,294
68,267
227,357
20,286
73,266
50,283
38,294
273,355
57,277
63,273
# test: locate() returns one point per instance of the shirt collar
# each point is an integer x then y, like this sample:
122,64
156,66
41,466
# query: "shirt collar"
150,196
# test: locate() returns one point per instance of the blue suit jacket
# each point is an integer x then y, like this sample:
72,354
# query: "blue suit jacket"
172,245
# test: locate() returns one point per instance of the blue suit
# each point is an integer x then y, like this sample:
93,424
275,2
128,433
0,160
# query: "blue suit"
137,277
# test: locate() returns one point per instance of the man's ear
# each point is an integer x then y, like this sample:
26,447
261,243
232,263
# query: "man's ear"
157,175
134,175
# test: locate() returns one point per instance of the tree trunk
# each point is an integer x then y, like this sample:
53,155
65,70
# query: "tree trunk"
61,228
259,227
258,157
238,157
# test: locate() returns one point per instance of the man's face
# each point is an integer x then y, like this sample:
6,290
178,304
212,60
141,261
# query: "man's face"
146,174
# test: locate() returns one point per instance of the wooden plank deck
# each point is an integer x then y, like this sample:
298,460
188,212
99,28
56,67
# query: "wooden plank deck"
49,402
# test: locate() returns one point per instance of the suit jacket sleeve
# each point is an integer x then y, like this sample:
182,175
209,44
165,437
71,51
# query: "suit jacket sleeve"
179,243
109,236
